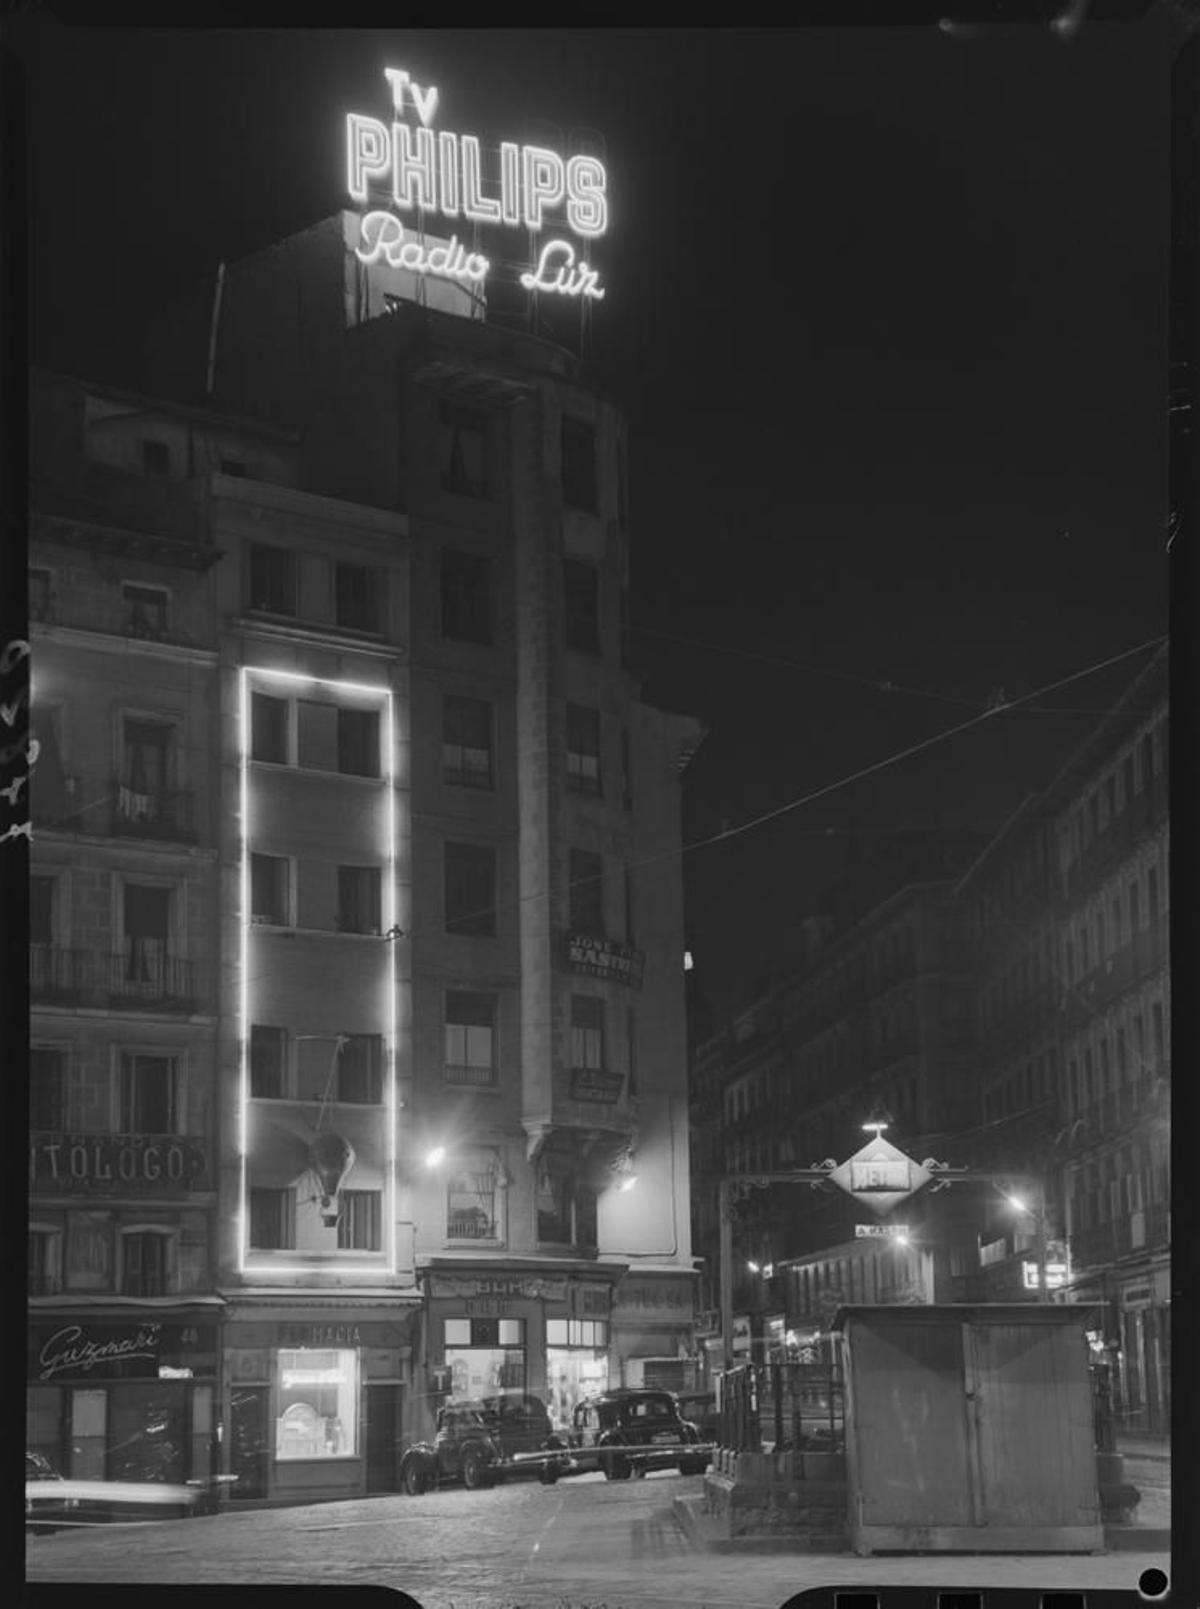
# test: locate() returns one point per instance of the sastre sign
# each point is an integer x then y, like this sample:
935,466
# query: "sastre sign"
442,173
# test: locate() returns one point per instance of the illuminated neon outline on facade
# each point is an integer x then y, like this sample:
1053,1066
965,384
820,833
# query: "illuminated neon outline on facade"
390,923
443,173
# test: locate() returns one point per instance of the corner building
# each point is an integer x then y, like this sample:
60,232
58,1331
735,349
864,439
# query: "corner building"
521,962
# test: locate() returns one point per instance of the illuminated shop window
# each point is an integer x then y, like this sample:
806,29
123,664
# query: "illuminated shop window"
576,1332
583,749
485,1356
272,1219
357,592
467,741
470,1038
268,728
318,1404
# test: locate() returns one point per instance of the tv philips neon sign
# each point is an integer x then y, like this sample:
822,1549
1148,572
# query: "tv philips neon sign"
440,172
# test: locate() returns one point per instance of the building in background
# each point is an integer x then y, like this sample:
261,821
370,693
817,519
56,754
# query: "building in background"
445,1060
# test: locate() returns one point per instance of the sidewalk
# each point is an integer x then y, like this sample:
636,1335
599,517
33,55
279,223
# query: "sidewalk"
1144,1446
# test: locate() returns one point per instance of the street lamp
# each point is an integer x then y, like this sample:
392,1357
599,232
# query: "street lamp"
435,1156
1037,1211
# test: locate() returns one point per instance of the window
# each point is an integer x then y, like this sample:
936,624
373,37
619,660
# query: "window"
587,1031
585,892
47,1087
358,742
359,1220
146,1263
147,924
268,728
268,1062
466,597
145,610
45,1262
470,1038
463,451
583,749
471,1202
272,1219
466,741
142,789
156,458
579,464
148,1096
272,580
269,890
360,1069
566,1204
581,594
359,889
356,597
470,889
318,1403
40,594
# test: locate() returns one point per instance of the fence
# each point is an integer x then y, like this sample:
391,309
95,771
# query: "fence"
784,1406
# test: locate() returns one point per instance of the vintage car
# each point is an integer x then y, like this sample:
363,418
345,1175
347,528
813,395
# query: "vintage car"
648,1428
54,1501
483,1440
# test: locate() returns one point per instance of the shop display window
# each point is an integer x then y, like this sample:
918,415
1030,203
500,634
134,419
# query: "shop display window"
484,1356
318,1403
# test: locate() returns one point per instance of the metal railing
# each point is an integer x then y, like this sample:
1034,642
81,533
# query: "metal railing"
786,1406
92,978
161,813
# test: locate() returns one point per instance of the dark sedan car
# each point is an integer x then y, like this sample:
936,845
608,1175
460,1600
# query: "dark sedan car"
647,1423
484,1440
47,1508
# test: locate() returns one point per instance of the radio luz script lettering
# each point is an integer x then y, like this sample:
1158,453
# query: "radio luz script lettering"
442,172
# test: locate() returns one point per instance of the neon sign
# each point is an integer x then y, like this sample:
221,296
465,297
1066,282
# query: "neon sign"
441,172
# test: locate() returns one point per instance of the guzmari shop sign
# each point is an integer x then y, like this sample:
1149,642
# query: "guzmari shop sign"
435,172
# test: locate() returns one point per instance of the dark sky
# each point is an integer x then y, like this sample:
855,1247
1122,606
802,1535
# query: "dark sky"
887,312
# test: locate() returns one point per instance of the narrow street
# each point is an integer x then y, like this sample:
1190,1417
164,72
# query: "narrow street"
577,1545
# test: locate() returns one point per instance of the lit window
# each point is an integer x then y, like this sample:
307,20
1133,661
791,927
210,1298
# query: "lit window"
470,1038
318,1403
359,1219
471,1203
583,749
467,741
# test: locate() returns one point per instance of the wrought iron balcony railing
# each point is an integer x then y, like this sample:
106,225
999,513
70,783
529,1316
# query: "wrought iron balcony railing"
137,979
163,813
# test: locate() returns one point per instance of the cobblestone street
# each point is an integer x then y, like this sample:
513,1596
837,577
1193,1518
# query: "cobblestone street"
584,1543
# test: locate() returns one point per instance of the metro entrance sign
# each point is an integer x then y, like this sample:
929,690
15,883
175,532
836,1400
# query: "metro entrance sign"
880,1176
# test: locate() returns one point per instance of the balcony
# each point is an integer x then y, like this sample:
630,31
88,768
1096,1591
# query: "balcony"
165,814
90,978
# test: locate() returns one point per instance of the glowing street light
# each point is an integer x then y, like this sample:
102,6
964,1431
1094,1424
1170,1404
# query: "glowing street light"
435,1156
628,1182
753,1267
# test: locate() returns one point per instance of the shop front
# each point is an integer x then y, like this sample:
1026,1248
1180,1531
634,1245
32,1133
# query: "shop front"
315,1399
654,1330
543,1332
125,1395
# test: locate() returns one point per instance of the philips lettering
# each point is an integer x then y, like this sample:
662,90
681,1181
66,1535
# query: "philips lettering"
442,173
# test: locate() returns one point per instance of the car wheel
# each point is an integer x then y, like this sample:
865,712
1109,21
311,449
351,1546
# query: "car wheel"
616,1468
692,1466
474,1470
548,1474
414,1479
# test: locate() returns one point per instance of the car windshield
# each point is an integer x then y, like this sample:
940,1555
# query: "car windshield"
38,1468
641,1409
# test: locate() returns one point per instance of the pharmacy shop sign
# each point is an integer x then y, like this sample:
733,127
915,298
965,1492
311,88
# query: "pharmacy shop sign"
428,174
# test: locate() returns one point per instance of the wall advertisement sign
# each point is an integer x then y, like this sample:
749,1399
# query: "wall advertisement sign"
428,173
132,1349
99,1164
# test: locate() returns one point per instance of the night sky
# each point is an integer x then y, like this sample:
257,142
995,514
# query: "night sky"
887,310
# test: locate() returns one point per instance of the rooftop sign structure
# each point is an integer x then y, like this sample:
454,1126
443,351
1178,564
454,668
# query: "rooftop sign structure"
436,173
880,1176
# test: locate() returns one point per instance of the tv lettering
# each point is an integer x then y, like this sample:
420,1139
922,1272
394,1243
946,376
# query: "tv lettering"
443,173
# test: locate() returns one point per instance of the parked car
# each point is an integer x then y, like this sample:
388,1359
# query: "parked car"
54,1501
481,1441
700,1409
647,1423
